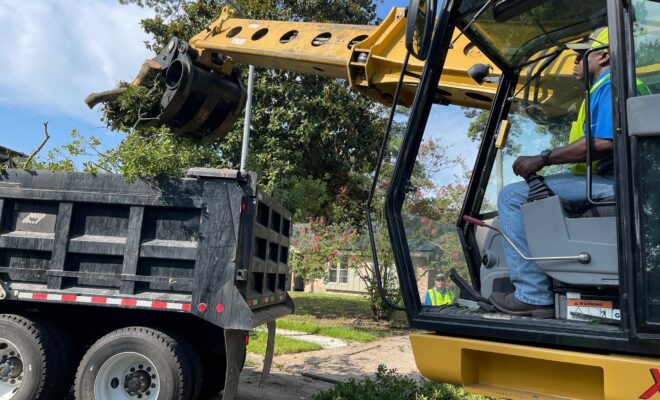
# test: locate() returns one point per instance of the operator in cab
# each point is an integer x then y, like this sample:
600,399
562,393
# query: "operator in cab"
533,295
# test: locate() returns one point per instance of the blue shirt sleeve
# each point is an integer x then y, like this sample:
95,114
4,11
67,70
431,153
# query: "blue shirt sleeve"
427,299
601,112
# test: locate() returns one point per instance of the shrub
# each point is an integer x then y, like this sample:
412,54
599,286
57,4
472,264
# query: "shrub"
387,384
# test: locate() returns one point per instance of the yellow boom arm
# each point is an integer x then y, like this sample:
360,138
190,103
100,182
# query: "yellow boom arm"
368,57
203,95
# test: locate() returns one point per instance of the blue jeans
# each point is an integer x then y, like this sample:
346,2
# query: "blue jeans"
533,286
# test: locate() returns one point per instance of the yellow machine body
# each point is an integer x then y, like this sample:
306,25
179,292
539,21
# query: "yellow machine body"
513,371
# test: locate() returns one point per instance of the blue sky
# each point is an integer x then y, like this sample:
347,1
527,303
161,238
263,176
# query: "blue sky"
62,50
57,52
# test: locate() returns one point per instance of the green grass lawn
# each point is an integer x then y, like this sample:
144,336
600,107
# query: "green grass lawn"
311,325
339,316
340,306
329,306
283,344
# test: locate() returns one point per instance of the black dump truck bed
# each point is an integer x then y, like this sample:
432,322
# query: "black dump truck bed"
210,244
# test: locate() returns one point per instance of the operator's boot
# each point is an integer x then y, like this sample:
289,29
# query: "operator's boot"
509,304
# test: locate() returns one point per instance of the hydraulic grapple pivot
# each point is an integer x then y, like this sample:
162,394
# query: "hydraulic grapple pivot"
198,103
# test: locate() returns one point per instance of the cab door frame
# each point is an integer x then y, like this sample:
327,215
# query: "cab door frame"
520,331
632,169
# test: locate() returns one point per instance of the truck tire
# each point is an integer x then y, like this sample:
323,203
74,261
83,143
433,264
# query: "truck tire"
28,359
136,363
195,363
67,358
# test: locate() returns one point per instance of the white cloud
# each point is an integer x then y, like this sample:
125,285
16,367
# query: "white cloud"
59,51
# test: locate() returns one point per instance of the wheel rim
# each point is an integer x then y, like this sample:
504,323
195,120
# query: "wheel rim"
11,369
127,376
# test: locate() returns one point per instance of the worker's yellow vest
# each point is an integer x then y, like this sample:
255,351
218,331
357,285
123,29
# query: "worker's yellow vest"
437,299
577,128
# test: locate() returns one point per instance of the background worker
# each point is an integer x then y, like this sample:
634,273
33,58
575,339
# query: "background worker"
439,295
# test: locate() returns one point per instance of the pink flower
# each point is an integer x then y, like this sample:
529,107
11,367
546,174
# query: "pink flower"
334,252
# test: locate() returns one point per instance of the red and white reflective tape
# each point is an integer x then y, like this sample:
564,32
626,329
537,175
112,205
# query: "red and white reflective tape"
264,300
115,301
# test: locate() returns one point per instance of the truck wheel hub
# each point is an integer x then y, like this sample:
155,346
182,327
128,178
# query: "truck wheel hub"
11,369
127,375
137,383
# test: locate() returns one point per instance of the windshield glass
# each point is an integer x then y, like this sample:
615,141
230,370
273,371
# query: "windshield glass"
531,132
515,40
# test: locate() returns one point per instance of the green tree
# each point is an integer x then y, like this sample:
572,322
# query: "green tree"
313,138
430,216
318,245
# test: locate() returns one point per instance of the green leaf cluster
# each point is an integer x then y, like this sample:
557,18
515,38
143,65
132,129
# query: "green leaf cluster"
162,153
81,154
313,139
387,384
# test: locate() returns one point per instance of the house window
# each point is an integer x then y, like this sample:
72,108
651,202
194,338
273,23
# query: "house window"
338,272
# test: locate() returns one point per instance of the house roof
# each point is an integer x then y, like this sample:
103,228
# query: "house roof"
6,153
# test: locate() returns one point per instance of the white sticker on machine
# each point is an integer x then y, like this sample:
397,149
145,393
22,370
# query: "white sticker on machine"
582,310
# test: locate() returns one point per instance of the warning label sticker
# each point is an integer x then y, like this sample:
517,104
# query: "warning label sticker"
584,310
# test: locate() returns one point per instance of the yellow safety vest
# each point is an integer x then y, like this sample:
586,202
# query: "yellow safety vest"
437,299
577,128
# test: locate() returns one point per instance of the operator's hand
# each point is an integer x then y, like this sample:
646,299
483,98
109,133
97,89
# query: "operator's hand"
527,165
